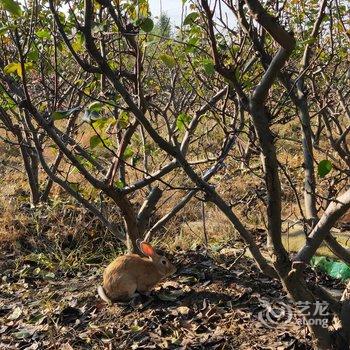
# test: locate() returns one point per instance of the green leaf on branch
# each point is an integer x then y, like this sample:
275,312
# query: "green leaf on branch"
190,18
209,67
92,113
91,116
123,120
95,106
74,186
168,60
33,55
324,167
43,34
78,42
128,153
12,67
120,184
182,120
12,7
15,67
58,115
95,141
191,44
146,24
101,123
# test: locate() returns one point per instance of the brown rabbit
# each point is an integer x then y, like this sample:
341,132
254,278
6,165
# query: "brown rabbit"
130,273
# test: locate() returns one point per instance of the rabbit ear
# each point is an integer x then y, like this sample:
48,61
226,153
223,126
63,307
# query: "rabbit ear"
146,248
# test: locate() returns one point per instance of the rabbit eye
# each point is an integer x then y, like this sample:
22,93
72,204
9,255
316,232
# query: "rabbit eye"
163,262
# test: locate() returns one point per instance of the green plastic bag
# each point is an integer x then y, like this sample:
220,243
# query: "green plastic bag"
333,268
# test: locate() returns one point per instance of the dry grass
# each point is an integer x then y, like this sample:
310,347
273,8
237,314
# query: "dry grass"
295,239
239,187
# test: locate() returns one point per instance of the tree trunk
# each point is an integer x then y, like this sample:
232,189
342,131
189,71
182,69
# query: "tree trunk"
31,166
309,171
345,314
136,224
296,287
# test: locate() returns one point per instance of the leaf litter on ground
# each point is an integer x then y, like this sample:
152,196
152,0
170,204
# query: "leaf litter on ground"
204,306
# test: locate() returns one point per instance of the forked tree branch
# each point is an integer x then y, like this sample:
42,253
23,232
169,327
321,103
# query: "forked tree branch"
336,209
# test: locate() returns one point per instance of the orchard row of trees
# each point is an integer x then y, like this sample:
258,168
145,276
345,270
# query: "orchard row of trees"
102,101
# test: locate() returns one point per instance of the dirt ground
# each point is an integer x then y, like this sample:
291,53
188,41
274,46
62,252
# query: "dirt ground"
212,302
